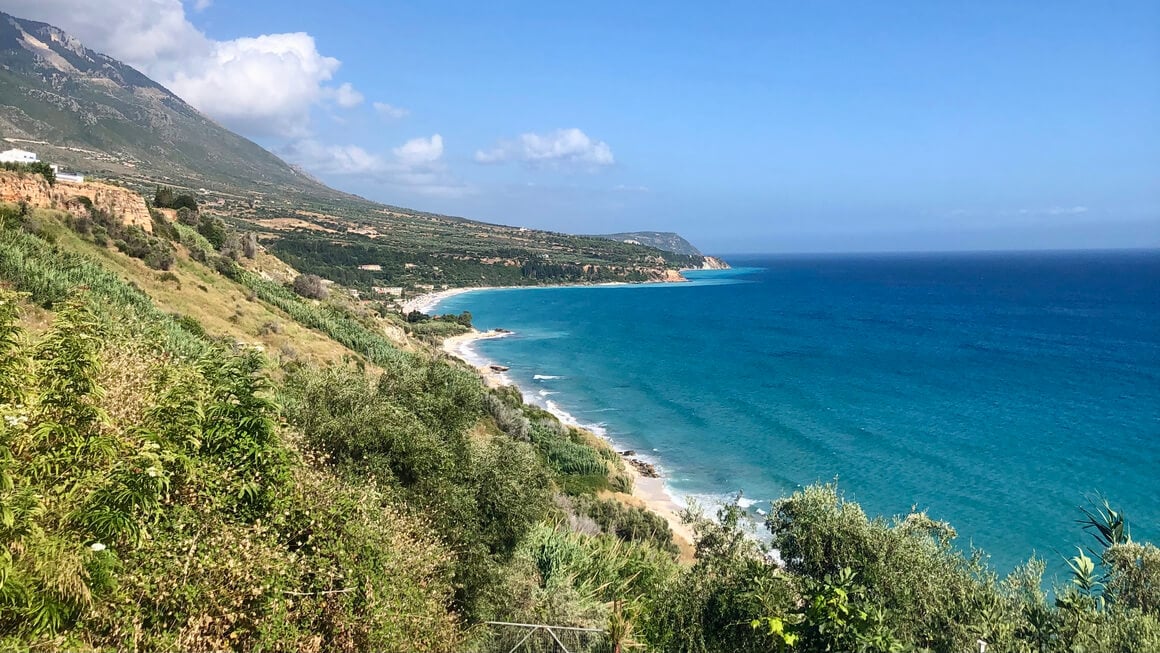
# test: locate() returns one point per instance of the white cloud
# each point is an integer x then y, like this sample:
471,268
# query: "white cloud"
390,112
263,85
202,5
334,159
346,97
420,151
562,147
416,165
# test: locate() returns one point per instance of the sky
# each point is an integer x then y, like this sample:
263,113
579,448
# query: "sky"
744,126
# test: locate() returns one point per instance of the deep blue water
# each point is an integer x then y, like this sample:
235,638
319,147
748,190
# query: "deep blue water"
993,390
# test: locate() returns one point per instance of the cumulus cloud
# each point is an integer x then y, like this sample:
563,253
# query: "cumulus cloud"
390,112
416,165
334,159
346,97
420,151
262,85
559,148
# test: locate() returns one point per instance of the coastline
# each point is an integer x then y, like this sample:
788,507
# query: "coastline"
427,302
647,492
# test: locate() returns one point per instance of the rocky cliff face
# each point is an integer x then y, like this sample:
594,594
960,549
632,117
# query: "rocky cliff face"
34,189
714,263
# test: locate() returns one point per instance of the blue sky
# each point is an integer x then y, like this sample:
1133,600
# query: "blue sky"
746,126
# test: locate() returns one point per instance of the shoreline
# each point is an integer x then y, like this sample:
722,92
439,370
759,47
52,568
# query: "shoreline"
648,492
428,302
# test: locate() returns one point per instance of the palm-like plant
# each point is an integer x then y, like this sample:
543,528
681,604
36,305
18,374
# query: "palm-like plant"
1106,524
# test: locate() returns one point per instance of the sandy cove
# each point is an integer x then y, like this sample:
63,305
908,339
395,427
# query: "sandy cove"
646,491
427,302
460,347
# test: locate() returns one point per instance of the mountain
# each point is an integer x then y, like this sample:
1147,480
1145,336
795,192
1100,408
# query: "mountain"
666,241
93,113
98,116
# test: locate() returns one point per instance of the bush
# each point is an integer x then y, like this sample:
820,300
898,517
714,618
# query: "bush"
629,523
213,230
188,217
310,286
167,198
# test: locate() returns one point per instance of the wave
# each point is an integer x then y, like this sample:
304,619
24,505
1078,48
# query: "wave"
570,419
545,377
545,393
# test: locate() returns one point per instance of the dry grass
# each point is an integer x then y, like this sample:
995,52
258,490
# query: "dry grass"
219,304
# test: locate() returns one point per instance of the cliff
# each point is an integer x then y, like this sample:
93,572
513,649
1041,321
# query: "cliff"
714,263
34,189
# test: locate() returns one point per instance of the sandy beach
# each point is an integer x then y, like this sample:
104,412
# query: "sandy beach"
647,492
460,347
427,302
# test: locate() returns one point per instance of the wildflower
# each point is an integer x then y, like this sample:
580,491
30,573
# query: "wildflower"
97,546
152,471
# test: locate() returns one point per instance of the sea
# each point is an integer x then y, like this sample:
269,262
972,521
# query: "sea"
996,391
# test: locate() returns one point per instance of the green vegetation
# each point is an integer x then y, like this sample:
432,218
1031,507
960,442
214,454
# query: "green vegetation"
461,253
167,198
167,490
37,168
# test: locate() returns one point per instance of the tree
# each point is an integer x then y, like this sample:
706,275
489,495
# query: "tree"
310,286
188,217
250,245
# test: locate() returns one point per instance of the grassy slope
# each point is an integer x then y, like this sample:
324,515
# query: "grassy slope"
230,312
223,307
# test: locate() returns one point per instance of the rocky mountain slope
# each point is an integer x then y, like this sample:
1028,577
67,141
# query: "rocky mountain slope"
666,241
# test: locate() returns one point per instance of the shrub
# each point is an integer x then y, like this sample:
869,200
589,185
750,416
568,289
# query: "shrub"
310,286
187,216
167,198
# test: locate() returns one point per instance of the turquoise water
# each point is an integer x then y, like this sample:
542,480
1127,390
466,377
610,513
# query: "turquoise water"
994,391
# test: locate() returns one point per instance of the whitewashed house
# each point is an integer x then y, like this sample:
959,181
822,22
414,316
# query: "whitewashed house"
18,156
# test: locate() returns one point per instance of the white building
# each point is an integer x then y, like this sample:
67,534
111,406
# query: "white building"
70,177
18,156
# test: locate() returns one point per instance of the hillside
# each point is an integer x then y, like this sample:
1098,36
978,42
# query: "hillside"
665,241
198,459
195,456
95,115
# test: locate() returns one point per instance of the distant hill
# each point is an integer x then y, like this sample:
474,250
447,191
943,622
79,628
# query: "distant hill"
666,241
96,115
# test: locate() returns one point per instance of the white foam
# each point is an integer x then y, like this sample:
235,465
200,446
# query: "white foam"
570,419
545,377
745,504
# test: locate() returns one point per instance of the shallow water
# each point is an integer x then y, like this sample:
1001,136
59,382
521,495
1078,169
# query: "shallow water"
994,391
